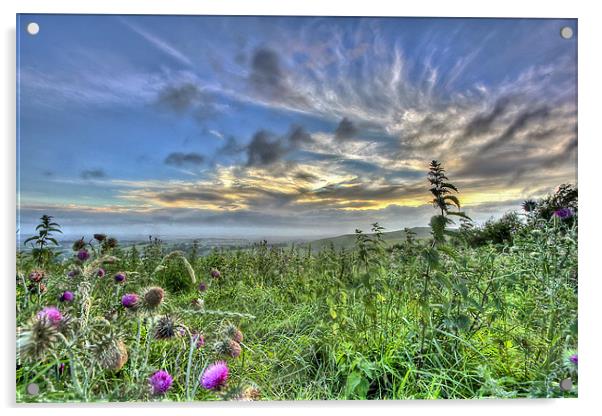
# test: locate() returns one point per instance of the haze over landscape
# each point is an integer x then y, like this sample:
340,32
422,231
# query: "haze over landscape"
288,127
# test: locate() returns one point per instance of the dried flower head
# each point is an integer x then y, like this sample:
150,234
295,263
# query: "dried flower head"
100,237
36,288
232,332
215,376
36,276
160,382
153,297
36,340
227,347
79,244
168,326
120,277
115,357
111,242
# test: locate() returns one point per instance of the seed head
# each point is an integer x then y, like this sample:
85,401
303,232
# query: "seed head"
100,237
36,275
167,327
115,356
153,297
79,244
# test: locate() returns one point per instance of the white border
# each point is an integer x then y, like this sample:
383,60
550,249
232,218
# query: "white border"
590,70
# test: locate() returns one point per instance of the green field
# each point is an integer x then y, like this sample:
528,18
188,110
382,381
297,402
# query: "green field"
483,311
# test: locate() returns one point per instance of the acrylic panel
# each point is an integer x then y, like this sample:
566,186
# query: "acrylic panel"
295,208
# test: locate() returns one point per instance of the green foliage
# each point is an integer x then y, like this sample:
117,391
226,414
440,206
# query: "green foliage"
42,252
414,321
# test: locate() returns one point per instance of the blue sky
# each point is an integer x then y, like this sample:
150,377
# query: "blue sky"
286,126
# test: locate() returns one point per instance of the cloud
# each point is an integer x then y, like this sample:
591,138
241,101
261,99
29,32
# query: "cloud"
188,97
346,129
182,159
483,122
522,121
298,136
93,174
264,149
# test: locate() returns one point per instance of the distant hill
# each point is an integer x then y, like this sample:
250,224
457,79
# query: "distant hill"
348,240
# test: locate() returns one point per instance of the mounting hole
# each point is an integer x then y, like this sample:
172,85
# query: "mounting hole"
566,384
566,32
33,389
33,28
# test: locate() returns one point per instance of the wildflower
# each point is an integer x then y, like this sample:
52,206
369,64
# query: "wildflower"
202,287
160,382
100,237
215,376
83,255
120,277
215,274
60,368
79,244
36,276
67,296
198,339
130,300
563,213
73,273
573,359
153,297
51,315
100,272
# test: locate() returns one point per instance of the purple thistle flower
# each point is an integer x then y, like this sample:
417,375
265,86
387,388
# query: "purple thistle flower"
83,255
73,273
215,376
574,359
215,274
120,277
67,296
129,300
160,382
199,339
202,287
100,272
564,213
61,368
51,314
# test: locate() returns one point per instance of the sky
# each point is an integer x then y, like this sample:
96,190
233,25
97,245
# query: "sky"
286,127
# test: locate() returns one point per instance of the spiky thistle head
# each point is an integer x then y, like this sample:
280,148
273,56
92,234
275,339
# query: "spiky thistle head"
153,297
66,296
215,376
114,357
36,276
215,273
130,301
529,205
232,332
167,327
227,347
100,237
36,288
119,277
37,340
79,244
83,255
111,242
160,382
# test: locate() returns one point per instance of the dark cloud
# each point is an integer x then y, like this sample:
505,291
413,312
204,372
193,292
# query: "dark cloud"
298,136
346,129
231,147
306,176
264,149
181,159
482,123
188,97
191,196
266,72
179,98
522,121
93,174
